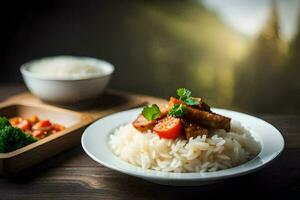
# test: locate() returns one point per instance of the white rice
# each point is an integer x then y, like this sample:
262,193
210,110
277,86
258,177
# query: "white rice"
65,67
202,154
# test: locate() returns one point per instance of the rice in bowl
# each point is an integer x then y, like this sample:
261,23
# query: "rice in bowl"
219,150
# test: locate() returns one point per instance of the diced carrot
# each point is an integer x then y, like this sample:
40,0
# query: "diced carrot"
15,121
58,127
33,119
24,125
36,127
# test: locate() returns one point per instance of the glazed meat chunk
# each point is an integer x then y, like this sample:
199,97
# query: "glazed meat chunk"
193,130
207,119
142,124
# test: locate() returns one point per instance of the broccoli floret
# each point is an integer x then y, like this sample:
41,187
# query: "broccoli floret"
4,122
12,138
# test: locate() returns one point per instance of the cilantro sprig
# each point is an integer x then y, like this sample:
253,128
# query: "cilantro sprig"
178,110
151,112
185,95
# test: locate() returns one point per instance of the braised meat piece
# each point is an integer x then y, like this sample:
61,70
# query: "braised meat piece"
205,118
193,130
202,105
142,124
209,120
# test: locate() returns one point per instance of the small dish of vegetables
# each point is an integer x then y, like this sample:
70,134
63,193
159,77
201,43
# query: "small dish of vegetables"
18,132
12,138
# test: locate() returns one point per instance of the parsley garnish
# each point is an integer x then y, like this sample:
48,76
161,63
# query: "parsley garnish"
185,95
191,101
178,110
151,112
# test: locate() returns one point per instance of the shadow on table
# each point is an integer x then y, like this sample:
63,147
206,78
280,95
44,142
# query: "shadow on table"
108,100
134,188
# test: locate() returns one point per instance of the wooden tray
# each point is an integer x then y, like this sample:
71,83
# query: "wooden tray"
29,155
76,118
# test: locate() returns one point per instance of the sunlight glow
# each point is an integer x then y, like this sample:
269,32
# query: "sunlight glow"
247,17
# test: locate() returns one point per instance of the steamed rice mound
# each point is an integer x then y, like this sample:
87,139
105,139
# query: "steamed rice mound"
220,150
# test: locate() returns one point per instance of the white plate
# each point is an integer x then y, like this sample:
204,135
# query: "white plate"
95,143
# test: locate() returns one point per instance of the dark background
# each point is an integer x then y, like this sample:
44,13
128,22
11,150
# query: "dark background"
157,46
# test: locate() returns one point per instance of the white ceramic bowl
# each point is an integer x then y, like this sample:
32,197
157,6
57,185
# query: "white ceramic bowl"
68,90
95,143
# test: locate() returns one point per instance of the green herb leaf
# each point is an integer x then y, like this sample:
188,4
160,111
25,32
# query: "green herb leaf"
178,110
151,112
183,93
191,101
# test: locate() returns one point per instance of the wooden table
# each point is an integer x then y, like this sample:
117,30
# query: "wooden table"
73,175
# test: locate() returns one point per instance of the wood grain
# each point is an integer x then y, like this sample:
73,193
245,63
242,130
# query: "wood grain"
73,175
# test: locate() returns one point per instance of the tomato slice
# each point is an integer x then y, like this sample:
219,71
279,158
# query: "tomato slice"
43,125
168,127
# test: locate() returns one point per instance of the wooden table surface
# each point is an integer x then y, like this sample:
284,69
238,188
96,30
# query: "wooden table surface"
73,175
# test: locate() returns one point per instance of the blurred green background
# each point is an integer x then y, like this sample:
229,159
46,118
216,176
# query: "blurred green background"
242,55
